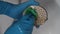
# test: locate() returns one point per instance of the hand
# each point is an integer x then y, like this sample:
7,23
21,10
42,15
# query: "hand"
15,11
23,26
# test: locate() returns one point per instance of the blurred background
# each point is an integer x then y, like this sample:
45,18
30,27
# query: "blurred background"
52,26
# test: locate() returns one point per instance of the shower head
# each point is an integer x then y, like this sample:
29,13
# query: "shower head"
40,13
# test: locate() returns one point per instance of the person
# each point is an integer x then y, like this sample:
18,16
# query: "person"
22,24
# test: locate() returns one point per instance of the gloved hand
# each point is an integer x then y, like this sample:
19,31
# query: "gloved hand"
15,11
23,24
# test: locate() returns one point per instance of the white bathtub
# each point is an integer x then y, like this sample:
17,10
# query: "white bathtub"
52,26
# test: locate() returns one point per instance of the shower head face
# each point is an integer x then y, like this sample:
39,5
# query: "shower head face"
41,13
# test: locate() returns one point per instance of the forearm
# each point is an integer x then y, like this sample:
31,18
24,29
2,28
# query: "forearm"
4,6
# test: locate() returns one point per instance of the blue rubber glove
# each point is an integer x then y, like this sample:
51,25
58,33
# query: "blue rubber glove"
24,24
15,11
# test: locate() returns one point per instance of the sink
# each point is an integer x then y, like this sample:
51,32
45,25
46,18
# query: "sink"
52,25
